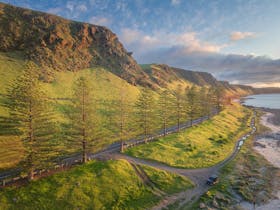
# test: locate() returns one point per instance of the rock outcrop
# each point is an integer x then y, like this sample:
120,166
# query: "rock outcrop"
60,44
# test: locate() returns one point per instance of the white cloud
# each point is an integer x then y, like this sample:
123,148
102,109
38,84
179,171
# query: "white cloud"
55,10
264,85
70,6
175,2
98,20
238,35
140,42
187,50
82,7
193,44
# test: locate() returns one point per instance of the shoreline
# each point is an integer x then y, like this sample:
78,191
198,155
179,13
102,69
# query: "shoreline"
268,145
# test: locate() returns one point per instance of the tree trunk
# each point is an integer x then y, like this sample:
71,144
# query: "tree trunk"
122,147
84,152
31,174
164,127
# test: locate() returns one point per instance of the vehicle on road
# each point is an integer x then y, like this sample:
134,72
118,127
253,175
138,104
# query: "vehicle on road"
212,180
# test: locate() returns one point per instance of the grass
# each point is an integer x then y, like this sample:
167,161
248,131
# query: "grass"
200,146
167,182
11,150
95,185
105,85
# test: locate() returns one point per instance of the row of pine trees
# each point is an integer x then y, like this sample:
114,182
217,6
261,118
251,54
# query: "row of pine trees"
32,116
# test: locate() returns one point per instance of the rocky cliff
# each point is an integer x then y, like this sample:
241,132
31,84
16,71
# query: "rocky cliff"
60,44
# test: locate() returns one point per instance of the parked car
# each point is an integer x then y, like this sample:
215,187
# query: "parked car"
212,180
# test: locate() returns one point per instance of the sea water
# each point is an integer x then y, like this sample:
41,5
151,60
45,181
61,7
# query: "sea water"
271,101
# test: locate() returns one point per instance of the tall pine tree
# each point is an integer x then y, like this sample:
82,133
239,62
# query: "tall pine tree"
84,119
178,106
165,107
30,117
123,110
192,103
145,112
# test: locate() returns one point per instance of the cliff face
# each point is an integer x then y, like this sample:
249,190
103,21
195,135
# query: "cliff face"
60,44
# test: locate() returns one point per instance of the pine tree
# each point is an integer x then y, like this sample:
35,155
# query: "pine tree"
217,95
145,112
84,119
192,103
122,118
165,106
203,102
219,92
30,116
178,105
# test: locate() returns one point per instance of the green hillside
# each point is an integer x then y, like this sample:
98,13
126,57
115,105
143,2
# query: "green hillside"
95,185
200,146
105,85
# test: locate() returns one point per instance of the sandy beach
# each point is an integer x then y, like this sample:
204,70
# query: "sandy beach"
269,147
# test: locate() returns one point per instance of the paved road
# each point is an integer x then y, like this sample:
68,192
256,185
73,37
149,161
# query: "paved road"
9,175
197,176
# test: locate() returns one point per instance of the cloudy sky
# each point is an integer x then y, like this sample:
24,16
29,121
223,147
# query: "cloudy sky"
236,40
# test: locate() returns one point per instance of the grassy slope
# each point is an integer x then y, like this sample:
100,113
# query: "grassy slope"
249,175
95,185
200,146
163,180
105,85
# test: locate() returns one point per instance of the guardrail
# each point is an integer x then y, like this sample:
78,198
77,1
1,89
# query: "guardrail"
10,177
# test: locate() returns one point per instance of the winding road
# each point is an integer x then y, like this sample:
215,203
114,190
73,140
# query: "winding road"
197,176
12,175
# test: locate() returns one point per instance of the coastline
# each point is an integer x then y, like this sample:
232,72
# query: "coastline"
268,145
275,117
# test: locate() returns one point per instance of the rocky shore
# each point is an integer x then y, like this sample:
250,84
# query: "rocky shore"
268,145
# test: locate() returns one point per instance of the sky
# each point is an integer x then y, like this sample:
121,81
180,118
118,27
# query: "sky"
235,40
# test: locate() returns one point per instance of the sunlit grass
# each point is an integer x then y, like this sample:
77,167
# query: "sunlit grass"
200,146
11,151
95,185
105,87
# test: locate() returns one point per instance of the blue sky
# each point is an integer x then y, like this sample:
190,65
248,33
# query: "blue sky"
236,40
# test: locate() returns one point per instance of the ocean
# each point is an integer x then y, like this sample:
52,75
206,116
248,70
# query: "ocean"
271,101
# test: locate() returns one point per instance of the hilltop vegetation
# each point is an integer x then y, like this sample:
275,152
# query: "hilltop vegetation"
95,185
